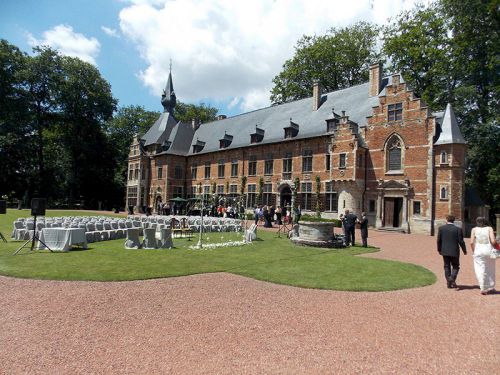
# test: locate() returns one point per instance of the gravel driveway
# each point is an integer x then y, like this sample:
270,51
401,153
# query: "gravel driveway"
227,324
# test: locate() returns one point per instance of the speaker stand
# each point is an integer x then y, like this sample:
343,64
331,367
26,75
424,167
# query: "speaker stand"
2,237
32,240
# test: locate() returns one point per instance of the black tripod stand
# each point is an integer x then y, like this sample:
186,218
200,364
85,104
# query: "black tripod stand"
283,228
2,237
33,240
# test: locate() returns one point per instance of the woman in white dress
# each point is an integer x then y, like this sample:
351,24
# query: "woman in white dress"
482,242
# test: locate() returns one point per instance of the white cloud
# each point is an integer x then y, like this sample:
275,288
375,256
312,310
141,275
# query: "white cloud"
69,43
110,32
224,49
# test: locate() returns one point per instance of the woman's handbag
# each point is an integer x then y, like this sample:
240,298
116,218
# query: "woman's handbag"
495,251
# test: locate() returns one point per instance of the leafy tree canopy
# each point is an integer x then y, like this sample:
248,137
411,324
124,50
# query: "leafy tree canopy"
336,60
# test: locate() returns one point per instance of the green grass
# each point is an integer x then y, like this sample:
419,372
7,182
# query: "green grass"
269,258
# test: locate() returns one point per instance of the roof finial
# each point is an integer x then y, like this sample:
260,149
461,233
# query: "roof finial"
170,65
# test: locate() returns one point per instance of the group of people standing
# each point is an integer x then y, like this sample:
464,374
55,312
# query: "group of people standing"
349,221
450,240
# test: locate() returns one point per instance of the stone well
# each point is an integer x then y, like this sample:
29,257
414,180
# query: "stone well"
318,234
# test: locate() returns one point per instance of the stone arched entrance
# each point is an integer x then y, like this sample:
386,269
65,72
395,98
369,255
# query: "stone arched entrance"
285,195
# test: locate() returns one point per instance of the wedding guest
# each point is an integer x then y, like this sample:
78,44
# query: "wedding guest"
363,225
349,224
482,242
450,239
278,215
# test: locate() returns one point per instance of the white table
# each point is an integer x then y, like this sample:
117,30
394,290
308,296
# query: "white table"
62,239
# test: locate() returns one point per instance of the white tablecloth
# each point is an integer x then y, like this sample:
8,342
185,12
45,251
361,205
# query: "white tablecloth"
61,239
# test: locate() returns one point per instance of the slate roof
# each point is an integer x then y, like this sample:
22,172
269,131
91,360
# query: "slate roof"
161,129
450,132
354,100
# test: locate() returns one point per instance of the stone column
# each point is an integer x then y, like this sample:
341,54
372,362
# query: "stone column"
404,224
378,218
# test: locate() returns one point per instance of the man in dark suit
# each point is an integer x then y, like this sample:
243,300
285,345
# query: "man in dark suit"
349,225
363,225
450,239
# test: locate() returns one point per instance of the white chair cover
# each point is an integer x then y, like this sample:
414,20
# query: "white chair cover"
149,239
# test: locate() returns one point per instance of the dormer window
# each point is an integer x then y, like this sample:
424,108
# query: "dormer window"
198,146
226,141
258,136
332,122
166,145
291,130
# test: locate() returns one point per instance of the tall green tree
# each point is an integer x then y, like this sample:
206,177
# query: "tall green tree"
86,104
16,159
126,123
418,44
336,60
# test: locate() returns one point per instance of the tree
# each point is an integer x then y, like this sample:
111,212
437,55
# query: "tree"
16,159
86,103
126,123
418,45
336,60
188,112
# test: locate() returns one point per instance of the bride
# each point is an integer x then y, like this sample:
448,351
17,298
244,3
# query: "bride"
482,242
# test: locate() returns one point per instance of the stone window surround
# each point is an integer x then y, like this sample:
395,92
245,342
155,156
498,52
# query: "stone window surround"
390,141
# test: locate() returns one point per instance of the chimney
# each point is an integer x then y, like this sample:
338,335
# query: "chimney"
195,124
396,79
375,78
221,117
316,95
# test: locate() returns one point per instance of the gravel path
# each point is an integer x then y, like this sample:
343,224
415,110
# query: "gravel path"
227,324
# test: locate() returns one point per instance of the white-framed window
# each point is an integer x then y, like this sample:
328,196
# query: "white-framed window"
443,192
252,166
287,166
331,198
251,195
306,195
194,171
395,112
267,194
269,165
234,168
444,157
220,189
342,161
307,161
207,170
221,169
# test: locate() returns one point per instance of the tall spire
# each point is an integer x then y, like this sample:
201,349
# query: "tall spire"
450,132
168,98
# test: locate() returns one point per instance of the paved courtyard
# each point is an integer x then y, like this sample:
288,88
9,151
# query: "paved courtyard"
228,324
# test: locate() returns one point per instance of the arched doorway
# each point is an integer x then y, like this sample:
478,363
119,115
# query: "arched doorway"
286,196
158,202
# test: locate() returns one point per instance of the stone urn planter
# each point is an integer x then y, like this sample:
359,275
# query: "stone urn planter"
315,233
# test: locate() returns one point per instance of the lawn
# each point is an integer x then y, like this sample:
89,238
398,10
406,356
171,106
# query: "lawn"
269,258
